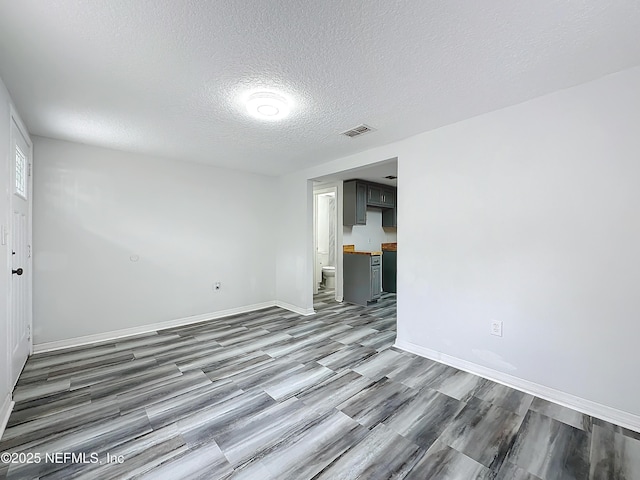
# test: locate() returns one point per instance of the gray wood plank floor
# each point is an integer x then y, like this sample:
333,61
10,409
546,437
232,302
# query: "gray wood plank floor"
273,395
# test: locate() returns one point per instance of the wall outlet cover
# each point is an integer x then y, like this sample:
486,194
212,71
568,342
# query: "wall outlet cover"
496,328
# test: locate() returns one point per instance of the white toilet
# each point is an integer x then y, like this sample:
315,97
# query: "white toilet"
329,277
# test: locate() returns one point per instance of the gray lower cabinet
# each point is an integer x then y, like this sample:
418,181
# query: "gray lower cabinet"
362,276
389,268
376,281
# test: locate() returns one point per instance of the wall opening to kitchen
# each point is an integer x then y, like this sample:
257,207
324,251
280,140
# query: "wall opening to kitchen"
375,232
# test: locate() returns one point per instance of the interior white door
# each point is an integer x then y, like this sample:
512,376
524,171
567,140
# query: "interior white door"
20,313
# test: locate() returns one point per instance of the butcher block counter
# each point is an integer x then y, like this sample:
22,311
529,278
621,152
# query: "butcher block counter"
390,247
351,250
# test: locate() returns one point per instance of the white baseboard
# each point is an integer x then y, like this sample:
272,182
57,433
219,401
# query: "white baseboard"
5,413
594,409
294,309
127,332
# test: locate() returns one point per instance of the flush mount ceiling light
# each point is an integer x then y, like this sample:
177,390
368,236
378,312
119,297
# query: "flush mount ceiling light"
268,106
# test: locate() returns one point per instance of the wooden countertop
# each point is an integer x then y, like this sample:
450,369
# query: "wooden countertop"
351,249
390,247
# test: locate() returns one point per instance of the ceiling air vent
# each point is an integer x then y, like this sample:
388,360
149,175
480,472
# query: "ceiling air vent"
357,131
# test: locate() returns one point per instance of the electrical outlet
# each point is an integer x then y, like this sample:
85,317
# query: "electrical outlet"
216,286
496,328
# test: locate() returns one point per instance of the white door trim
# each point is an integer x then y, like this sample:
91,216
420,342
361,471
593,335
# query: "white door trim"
315,242
6,407
318,189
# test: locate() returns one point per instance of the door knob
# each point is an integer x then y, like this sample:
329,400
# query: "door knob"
17,272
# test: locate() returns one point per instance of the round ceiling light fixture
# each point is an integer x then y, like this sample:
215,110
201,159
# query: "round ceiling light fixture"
268,106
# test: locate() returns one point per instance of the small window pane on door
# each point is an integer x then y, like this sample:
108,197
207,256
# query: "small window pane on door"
21,173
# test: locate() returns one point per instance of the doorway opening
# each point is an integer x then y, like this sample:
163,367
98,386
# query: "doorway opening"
376,233
325,239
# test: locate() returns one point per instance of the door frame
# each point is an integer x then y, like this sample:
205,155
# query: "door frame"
318,189
17,123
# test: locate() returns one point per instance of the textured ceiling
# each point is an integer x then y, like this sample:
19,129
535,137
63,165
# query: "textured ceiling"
165,77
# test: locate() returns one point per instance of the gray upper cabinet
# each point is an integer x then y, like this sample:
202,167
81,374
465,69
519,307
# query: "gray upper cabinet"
390,217
381,196
361,204
358,195
374,195
354,205
388,198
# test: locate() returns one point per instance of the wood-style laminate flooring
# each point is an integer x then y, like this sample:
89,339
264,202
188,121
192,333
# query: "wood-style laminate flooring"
274,395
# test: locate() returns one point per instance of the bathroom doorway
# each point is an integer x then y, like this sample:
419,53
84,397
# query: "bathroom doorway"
325,236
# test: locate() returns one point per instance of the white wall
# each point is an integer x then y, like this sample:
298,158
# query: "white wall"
190,225
370,236
294,246
527,215
325,216
5,275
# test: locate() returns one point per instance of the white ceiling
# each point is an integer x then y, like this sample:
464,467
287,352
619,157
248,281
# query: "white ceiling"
165,77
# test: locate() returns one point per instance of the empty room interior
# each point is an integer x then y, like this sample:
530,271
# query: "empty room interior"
200,211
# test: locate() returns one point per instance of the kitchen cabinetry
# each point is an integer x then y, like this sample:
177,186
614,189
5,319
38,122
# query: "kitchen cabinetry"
388,198
354,211
389,267
374,195
358,195
376,281
390,217
362,276
380,196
